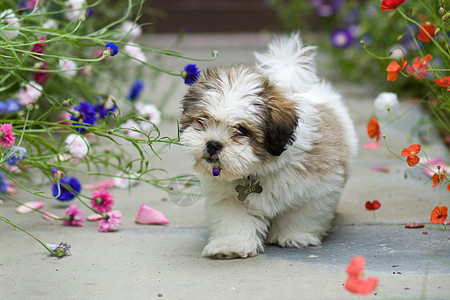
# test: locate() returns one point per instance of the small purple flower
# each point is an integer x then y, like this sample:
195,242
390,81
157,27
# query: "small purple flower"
326,8
112,48
16,155
191,74
136,90
341,38
61,250
66,194
84,113
4,183
9,106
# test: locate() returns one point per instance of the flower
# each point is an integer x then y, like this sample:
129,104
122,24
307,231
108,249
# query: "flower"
102,200
373,129
355,283
445,82
76,9
66,188
386,101
325,8
9,106
190,74
111,49
77,145
148,215
68,67
136,89
4,183
135,52
427,28
7,138
16,155
439,214
29,93
60,250
103,109
9,20
84,113
132,129
131,29
110,221
373,205
73,216
419,67
394,69
150,113
437,179
39,47
341,38
42,76
391,4
411,153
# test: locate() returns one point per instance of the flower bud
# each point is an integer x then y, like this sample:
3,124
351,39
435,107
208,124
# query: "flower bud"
441,11
437,31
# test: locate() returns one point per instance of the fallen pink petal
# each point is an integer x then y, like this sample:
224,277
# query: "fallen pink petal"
372,145
106,184
384,169
28,207
432,164
414,225
148,215
50,217
94,217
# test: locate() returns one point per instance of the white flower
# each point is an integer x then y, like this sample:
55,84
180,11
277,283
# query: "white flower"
126,181
134,51
150,113
398,52
9,19
384,101
130,127
76,9
77,145
68,67
29,93
50,23
132,29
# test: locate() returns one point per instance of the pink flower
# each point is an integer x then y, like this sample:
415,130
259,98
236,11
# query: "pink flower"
39,48
419,67
102,200
111,222
7,138
29,93
356,283
73,216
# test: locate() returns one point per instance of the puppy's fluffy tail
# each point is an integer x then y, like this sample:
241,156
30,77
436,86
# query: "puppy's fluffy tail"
289,63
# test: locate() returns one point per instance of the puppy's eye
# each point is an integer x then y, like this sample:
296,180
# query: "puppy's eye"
243,131
199,124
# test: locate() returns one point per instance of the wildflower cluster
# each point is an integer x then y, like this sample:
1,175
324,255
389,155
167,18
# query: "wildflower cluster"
69,98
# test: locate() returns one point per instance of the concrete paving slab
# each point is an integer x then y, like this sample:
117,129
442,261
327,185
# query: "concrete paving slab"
163,262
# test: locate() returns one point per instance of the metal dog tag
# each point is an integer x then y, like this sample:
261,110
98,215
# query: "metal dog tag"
247,189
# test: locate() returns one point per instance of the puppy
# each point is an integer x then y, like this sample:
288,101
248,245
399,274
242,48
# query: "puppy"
274,146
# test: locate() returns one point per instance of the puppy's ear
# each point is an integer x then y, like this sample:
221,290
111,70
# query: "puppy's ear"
280,120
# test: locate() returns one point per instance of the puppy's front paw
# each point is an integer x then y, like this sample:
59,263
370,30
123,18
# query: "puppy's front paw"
294,239
230,247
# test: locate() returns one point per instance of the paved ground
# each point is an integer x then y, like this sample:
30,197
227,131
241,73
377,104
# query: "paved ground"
163,262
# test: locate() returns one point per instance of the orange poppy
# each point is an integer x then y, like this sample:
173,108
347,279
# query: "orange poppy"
373,129
411,153
439,214
444,82
394,69
437,179
355,282
429,28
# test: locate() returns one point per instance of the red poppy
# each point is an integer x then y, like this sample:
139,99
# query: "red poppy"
373,129
355,283
429,28
411,153
420,66
394,69
437,179
444,82
374,205
390,4
439,214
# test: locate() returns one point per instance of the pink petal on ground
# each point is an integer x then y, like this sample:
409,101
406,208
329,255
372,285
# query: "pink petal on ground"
431,166
11,191
106,184
148,215
49,216
94,217
372,145
29,207
384,169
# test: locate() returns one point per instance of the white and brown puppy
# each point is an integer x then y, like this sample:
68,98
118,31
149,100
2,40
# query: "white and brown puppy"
274,146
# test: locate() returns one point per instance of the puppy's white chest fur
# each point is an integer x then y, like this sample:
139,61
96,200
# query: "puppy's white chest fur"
274,147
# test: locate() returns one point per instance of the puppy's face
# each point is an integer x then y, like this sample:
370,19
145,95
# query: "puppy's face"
234,118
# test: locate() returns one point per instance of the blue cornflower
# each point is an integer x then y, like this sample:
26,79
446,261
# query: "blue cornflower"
64,193
112,48
103,111
4,183
9,106
136,89
191,74
16,155
341,38
84,113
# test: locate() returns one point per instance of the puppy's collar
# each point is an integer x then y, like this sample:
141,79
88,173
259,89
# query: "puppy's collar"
251,185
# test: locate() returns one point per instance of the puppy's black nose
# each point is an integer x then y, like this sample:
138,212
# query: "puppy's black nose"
213,147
